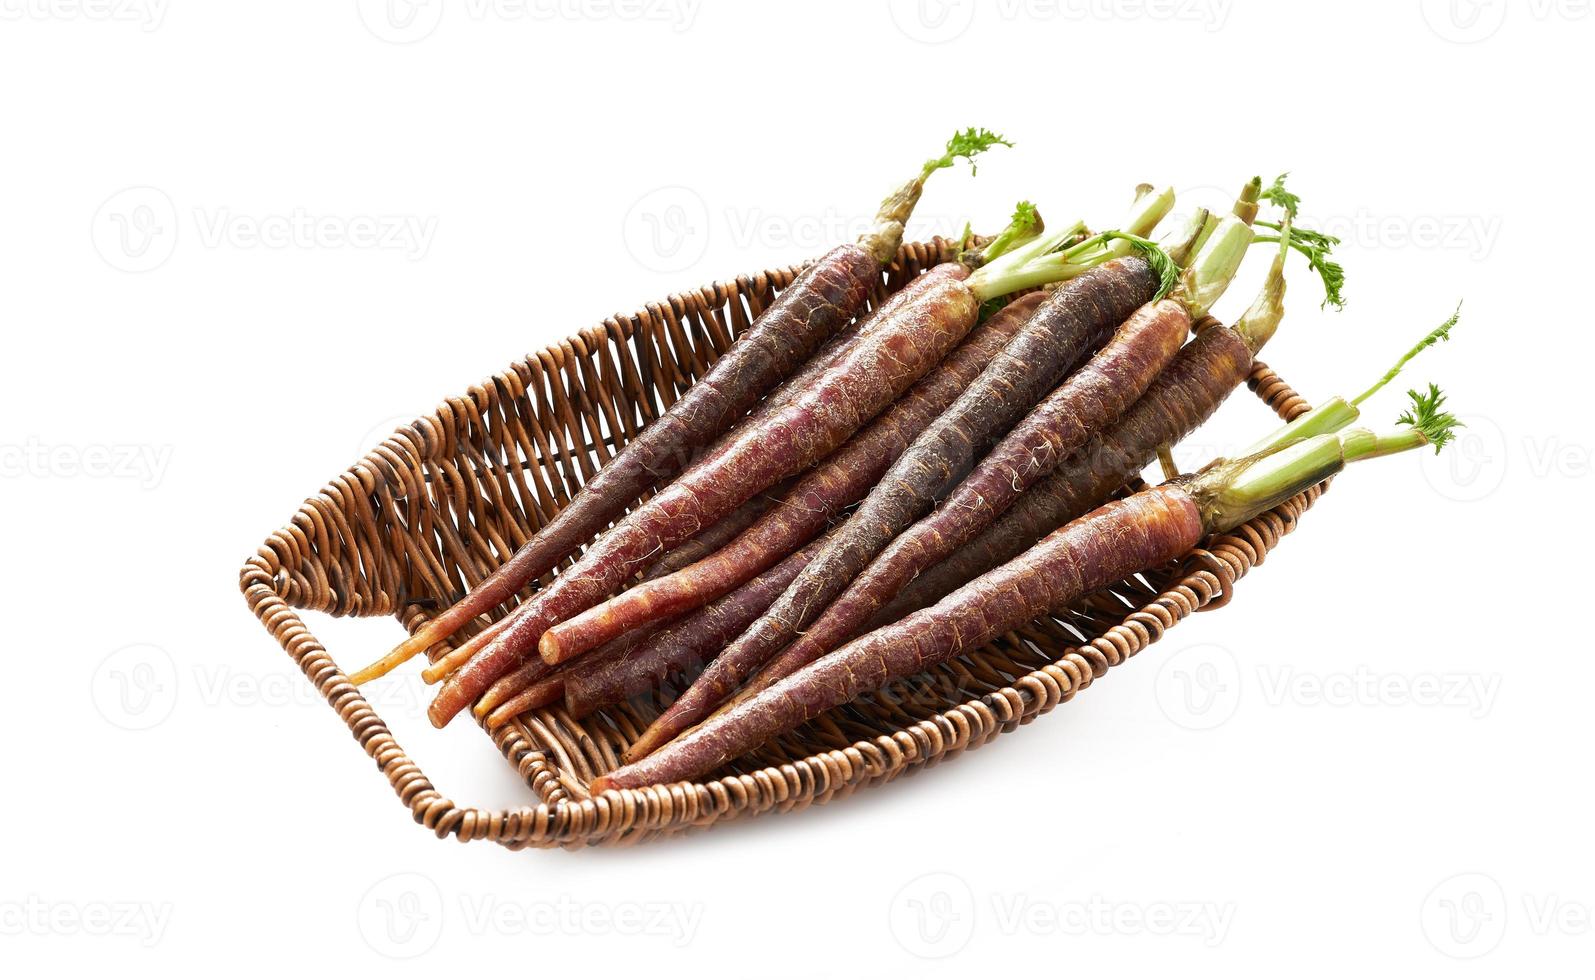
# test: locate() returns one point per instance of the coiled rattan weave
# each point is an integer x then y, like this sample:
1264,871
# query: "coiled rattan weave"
445,499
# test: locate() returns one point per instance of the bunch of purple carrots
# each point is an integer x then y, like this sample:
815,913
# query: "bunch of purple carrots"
850,497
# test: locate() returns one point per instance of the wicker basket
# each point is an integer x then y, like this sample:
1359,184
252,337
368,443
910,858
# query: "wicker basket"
445,499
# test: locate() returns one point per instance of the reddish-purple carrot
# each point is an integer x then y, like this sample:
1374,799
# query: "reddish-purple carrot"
722,533
828,294
1065,328
1092,397
928,317
841,480
537,683
1120,539
601,680
1184,396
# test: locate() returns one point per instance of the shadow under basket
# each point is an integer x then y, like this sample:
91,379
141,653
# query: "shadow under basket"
444,500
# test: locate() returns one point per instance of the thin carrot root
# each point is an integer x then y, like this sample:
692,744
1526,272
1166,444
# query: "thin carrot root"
540,695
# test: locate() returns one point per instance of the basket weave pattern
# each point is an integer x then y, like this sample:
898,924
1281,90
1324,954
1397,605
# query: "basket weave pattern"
446,499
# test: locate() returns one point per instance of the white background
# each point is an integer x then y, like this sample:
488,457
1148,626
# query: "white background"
1398,698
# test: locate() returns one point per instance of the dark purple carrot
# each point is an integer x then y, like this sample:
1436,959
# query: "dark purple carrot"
842,479
927,319
1065,328
601,680
724,531
1185,395
1149,528
828,294
1121,539
1094,396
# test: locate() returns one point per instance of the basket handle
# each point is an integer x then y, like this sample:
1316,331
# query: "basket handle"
430,808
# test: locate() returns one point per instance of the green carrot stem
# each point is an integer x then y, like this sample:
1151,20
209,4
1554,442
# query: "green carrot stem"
1232,492
1025,226
1182,244
1442,332
883,238
1258,324
1215,264
1336,413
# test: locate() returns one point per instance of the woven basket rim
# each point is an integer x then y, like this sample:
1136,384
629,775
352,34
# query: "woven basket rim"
1208,577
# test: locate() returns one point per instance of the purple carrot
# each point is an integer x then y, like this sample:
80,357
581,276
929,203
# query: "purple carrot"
1118,539
928,317
841,480
1092,397
827,295
1067,326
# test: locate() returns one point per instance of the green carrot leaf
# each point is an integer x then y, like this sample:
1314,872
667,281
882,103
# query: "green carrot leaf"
1024,216
1316,238
1426,415
1168,272
967,145
1277,195
1316,246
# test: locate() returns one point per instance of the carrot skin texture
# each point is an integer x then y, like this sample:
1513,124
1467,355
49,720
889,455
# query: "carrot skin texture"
928,317
1116,540
1184,396
703,545
1073,320
601,680
1093,397
841,479
822,299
